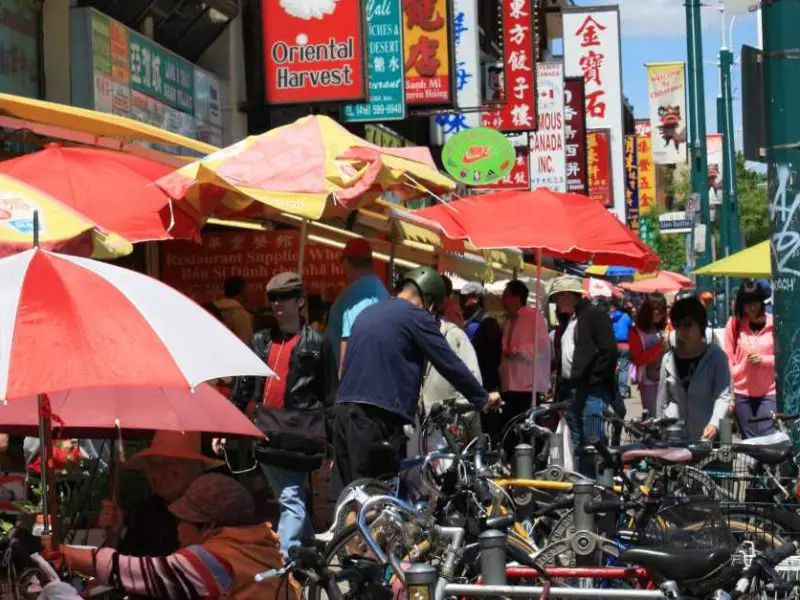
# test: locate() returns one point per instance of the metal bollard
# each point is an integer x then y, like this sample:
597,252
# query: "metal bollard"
523,461
584,493
421,581
493,557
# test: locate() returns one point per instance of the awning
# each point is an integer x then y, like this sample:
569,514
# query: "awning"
93,123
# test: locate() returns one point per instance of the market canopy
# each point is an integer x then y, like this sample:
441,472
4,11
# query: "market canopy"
663,281
567,226
752,263
309,168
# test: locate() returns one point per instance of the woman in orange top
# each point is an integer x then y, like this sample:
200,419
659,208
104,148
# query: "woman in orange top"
647,340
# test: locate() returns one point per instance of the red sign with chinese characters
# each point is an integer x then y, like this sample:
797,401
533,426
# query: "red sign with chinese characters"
575,134
313,51
519,43
426,51
199,270
519,178
598,152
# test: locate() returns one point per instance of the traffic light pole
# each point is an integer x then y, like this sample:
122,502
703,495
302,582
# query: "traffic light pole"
781,93
697,120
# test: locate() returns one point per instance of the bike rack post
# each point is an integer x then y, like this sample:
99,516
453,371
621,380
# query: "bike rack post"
556,449
523,461
493,557
421,580
584,493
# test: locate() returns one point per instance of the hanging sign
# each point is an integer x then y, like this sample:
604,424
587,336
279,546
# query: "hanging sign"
478,156
715,174
387,91
631,183
667,98
575,135
313,50
599,159
548,162
426,43
519,111
642,127
647,175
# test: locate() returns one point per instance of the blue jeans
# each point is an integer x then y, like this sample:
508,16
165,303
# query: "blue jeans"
748,408
585,420
294,526
623,372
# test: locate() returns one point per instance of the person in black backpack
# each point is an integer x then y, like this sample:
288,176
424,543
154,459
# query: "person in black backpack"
292,408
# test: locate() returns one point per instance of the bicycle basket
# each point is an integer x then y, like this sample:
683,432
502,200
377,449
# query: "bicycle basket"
692,523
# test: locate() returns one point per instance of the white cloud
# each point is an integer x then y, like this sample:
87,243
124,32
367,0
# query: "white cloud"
658,18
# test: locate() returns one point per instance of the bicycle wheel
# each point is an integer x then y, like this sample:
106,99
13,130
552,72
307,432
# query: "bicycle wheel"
347,506
766,526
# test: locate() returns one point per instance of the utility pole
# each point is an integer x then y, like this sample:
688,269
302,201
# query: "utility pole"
697,121
781,19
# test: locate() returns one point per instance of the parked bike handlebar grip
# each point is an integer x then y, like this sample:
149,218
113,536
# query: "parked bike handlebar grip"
304,557
775,557
602,450
501,523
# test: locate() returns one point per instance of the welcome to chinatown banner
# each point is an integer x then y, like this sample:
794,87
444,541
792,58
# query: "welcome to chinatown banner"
666,87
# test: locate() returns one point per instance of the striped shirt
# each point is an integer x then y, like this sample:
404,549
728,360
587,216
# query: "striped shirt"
190,573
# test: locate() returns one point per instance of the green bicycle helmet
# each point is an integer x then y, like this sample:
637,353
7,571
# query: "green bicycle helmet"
429,283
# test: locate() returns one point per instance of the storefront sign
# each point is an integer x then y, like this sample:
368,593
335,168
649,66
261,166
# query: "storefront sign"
387,91
314,51
519,41
427,52
647,175
592,51
642,127
199,270
715,174
468,79
519,176
667,93
548,160
599,159
575,135
478,156
383,137
160,74
631,183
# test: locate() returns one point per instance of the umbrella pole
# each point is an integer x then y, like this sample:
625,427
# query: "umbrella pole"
47,471
301,254
536,323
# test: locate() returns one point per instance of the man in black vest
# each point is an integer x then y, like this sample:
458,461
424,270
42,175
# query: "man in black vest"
291,407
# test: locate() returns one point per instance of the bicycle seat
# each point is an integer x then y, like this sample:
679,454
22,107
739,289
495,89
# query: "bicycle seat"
674,456
677,564
769,455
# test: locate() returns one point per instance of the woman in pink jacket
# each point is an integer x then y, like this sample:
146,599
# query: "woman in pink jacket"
751,355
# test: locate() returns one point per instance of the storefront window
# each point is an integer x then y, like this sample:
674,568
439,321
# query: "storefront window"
19,49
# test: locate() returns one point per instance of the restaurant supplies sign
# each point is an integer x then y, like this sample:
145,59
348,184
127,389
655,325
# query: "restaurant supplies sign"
592,51
666,89
598,152
387,91
548,159
314,51
518,113
631,184
427,52
647,175
575,135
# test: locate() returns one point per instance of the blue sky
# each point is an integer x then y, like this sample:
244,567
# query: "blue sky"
655,31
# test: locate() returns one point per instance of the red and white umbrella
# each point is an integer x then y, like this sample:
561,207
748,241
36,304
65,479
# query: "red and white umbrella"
70,323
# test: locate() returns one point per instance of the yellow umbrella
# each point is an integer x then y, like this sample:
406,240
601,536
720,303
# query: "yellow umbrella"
60,229
751,263
308,168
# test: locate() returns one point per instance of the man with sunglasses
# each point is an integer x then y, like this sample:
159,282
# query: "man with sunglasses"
291,407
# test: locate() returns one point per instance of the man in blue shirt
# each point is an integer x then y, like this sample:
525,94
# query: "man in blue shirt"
622,324
364,288
382,376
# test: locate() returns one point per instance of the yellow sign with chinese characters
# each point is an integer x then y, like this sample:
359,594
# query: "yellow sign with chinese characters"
647,174
426,51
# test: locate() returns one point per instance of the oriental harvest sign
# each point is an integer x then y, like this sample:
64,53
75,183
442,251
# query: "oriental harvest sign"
314,51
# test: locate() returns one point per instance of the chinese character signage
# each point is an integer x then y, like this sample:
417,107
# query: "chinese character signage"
715,174
667,93
118,71
478,156
519,42
575,135
467,74
631,183
387,91
598,154
519,176
548,160
592,51
426,39
647,174
314,51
